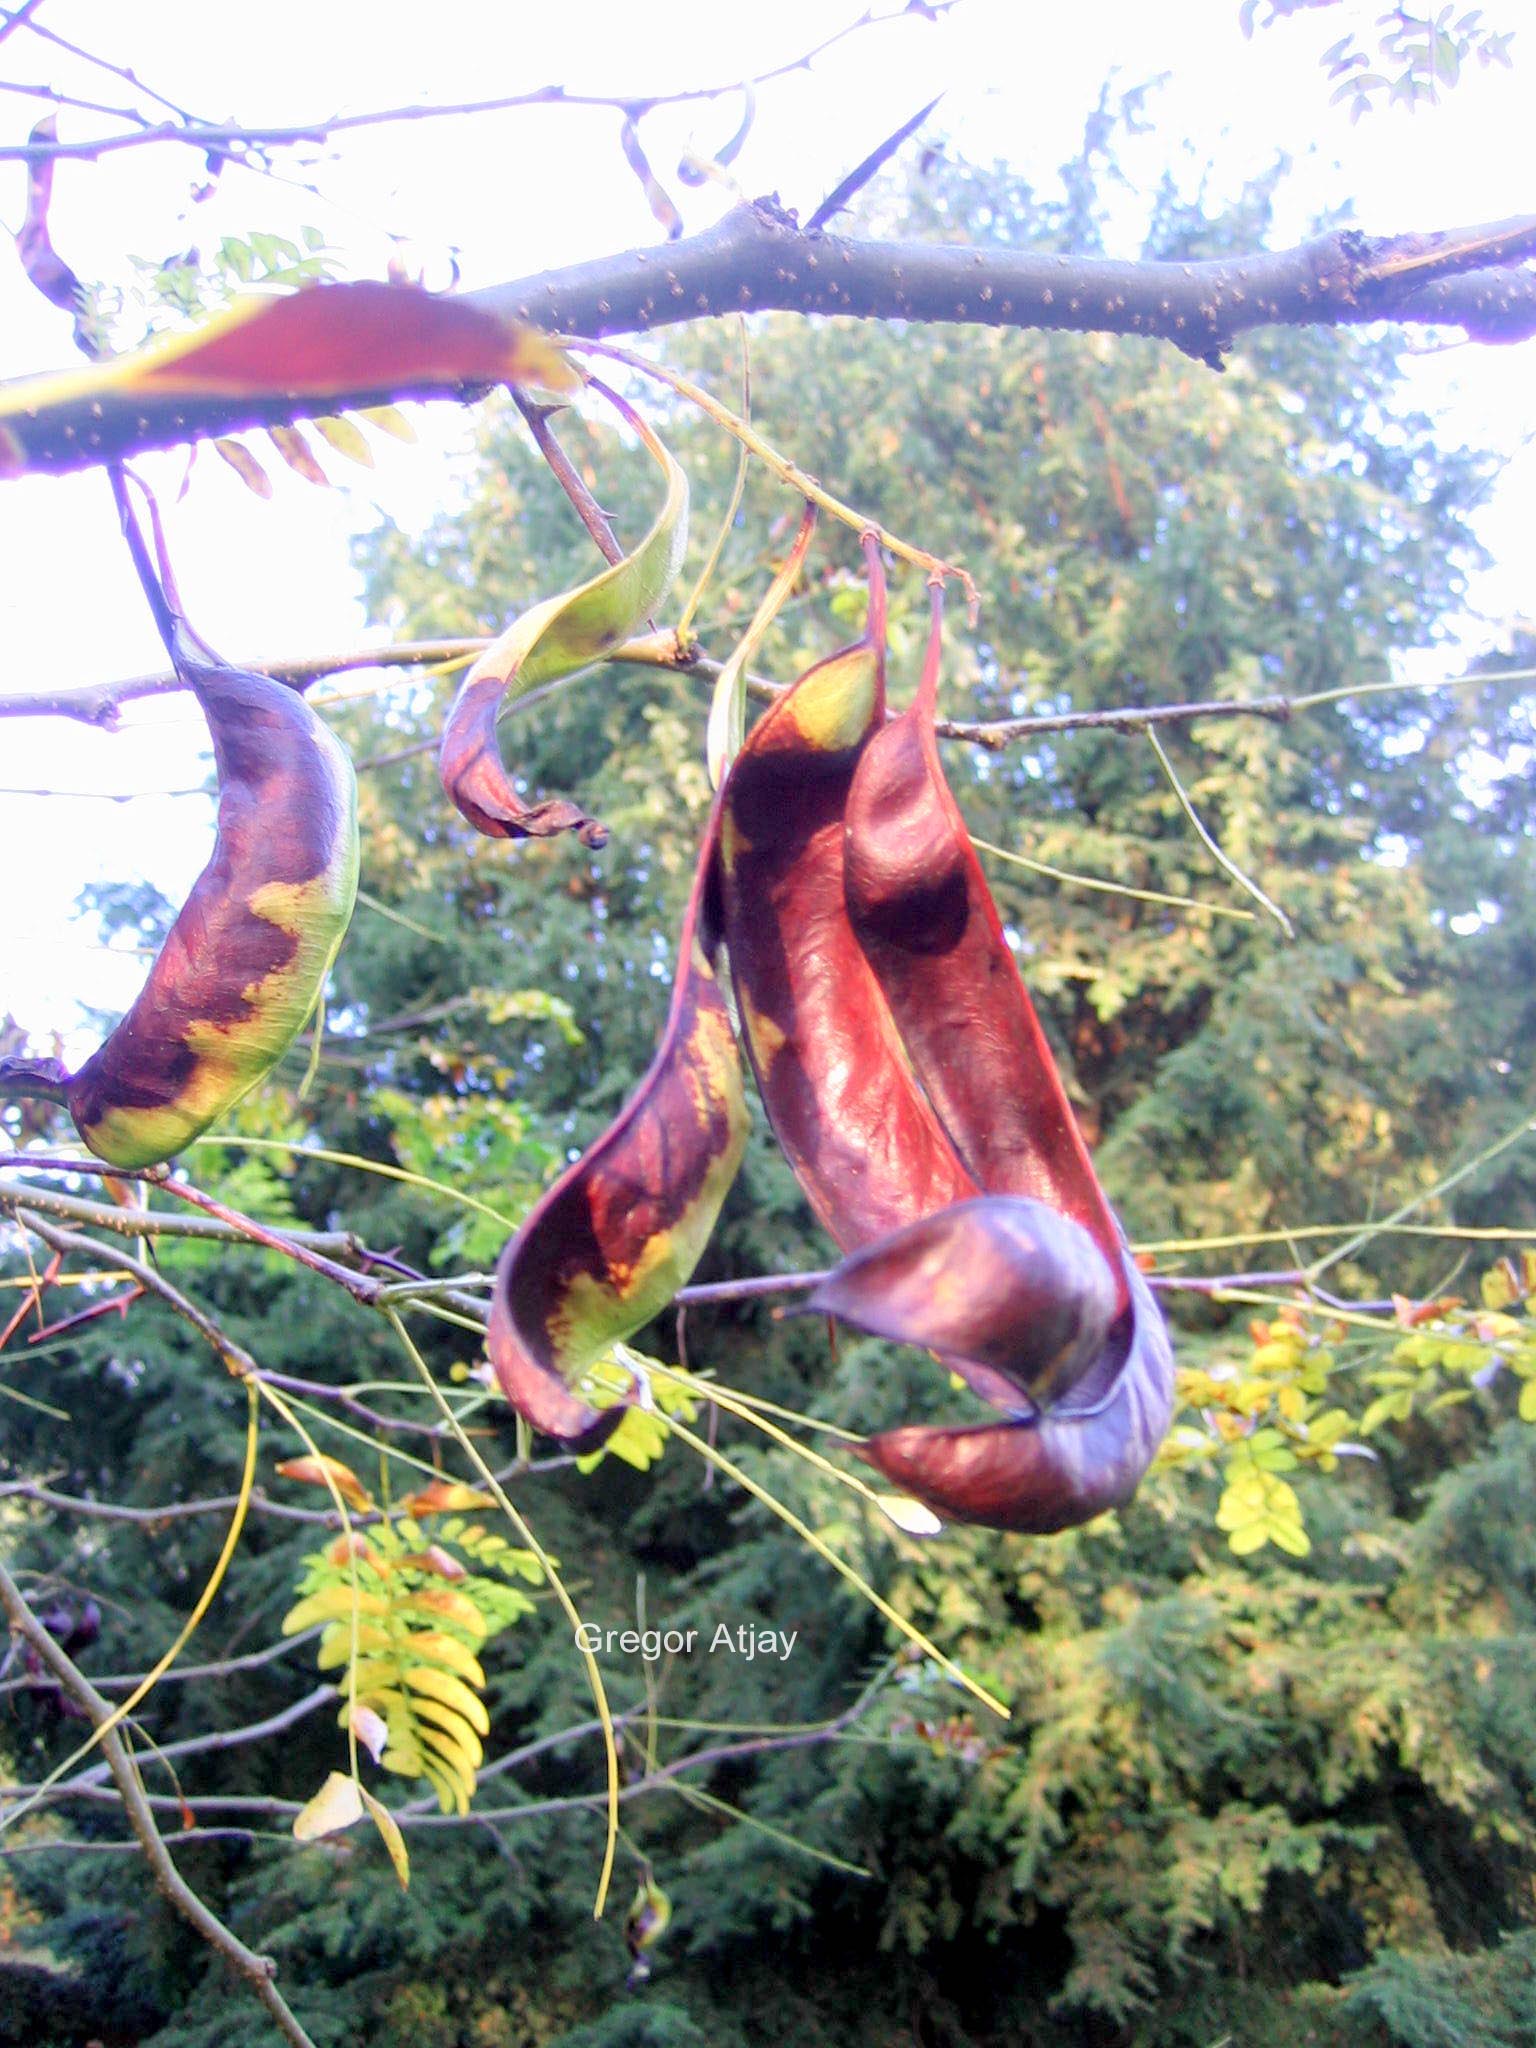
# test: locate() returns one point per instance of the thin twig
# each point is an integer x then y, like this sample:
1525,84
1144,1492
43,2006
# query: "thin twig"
747,1290
97,703
258,1971
343,1397
1076,881
19,17
192,1745
358,1285
220,138
232,1355
222,1667
424,1813
565,473
160,1222
1229,866
120,71
169,1511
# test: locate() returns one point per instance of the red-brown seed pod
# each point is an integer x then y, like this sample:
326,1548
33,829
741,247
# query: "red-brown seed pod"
350,344
1061,1469
621,1230
247,957
924,915
915,1095
858,1131
1012,1295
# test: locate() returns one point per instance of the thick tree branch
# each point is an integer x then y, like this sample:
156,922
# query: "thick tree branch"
258,1971
758,259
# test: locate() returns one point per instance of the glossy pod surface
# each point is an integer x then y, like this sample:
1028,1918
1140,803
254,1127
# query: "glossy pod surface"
908,1079
607,1247
1064,1468
247,957
861,1136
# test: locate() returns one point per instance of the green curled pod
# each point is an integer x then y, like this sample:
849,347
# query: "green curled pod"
246,960
550,640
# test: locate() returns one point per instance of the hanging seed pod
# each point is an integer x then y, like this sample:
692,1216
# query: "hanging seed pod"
620,1231
915,1095
860,1135
1014,1297
349,344
551,640
246,960
1060,1470
921,908
924,916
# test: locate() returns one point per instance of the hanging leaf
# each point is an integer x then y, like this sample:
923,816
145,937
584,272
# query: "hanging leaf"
337,1804
372,1731
399,1639
551,640
910,1516
245,466
389,1829
298,455
389,420
319,1470
345,436
444,1496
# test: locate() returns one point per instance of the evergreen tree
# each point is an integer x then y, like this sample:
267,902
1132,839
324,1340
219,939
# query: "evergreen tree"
1289,1800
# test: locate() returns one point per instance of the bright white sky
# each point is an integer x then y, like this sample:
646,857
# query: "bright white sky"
515,193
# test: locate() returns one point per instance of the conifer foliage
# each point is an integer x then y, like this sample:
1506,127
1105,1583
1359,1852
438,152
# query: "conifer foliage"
1267,1769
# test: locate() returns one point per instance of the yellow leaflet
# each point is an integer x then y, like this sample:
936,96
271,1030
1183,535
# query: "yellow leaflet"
332,1603
453,1692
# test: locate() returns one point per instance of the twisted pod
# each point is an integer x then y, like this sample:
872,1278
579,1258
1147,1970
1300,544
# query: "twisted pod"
550,640
907,1079
607,1247
246,960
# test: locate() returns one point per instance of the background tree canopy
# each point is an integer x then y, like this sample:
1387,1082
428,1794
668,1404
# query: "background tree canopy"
1280,1797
